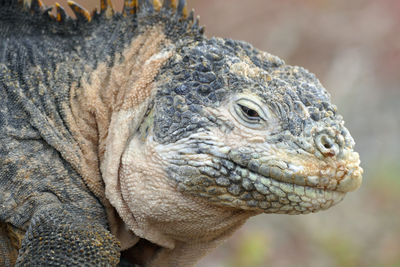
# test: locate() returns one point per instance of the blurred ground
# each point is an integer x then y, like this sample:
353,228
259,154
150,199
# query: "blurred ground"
354,48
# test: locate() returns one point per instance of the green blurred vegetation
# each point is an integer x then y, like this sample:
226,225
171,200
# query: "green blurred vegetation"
252,251
340,250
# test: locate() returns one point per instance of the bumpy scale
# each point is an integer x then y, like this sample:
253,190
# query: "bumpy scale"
134,132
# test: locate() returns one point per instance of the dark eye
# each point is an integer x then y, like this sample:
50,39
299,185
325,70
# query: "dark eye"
250,113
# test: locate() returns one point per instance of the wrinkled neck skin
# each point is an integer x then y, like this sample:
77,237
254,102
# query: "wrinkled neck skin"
141,202
186,226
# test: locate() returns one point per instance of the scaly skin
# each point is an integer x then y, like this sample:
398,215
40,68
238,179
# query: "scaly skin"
137,126
294,157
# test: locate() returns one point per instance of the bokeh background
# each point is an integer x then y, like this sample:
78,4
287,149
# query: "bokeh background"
354,48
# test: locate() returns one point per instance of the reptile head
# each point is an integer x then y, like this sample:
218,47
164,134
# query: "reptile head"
241,128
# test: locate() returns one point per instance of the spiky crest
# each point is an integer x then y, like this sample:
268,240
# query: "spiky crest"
33,17
177,7
81,13
60,13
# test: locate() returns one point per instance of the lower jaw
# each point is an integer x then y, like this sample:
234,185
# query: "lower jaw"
271,196
312,200
303,200
255,192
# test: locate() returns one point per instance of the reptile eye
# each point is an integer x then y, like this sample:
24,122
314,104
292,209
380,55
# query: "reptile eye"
250,113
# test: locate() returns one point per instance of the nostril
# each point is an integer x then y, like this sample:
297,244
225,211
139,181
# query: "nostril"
326,145
326,142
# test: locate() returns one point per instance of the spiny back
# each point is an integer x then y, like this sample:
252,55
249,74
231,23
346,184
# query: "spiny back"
32,36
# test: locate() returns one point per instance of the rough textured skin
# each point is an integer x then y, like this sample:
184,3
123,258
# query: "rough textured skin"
135,132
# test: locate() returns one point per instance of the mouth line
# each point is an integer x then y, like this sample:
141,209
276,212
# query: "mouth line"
276,196
225,182
278,172
271,185
241,172
265,185
344,177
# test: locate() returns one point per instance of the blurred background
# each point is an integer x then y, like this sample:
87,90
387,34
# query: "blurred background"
354,49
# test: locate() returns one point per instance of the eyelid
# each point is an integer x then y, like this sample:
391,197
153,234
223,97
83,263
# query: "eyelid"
252,105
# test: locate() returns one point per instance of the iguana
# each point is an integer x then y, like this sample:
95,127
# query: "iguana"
134,132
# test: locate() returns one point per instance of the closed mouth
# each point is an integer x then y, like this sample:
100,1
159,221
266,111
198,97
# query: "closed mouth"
277,196
343,177
233,185
265,185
